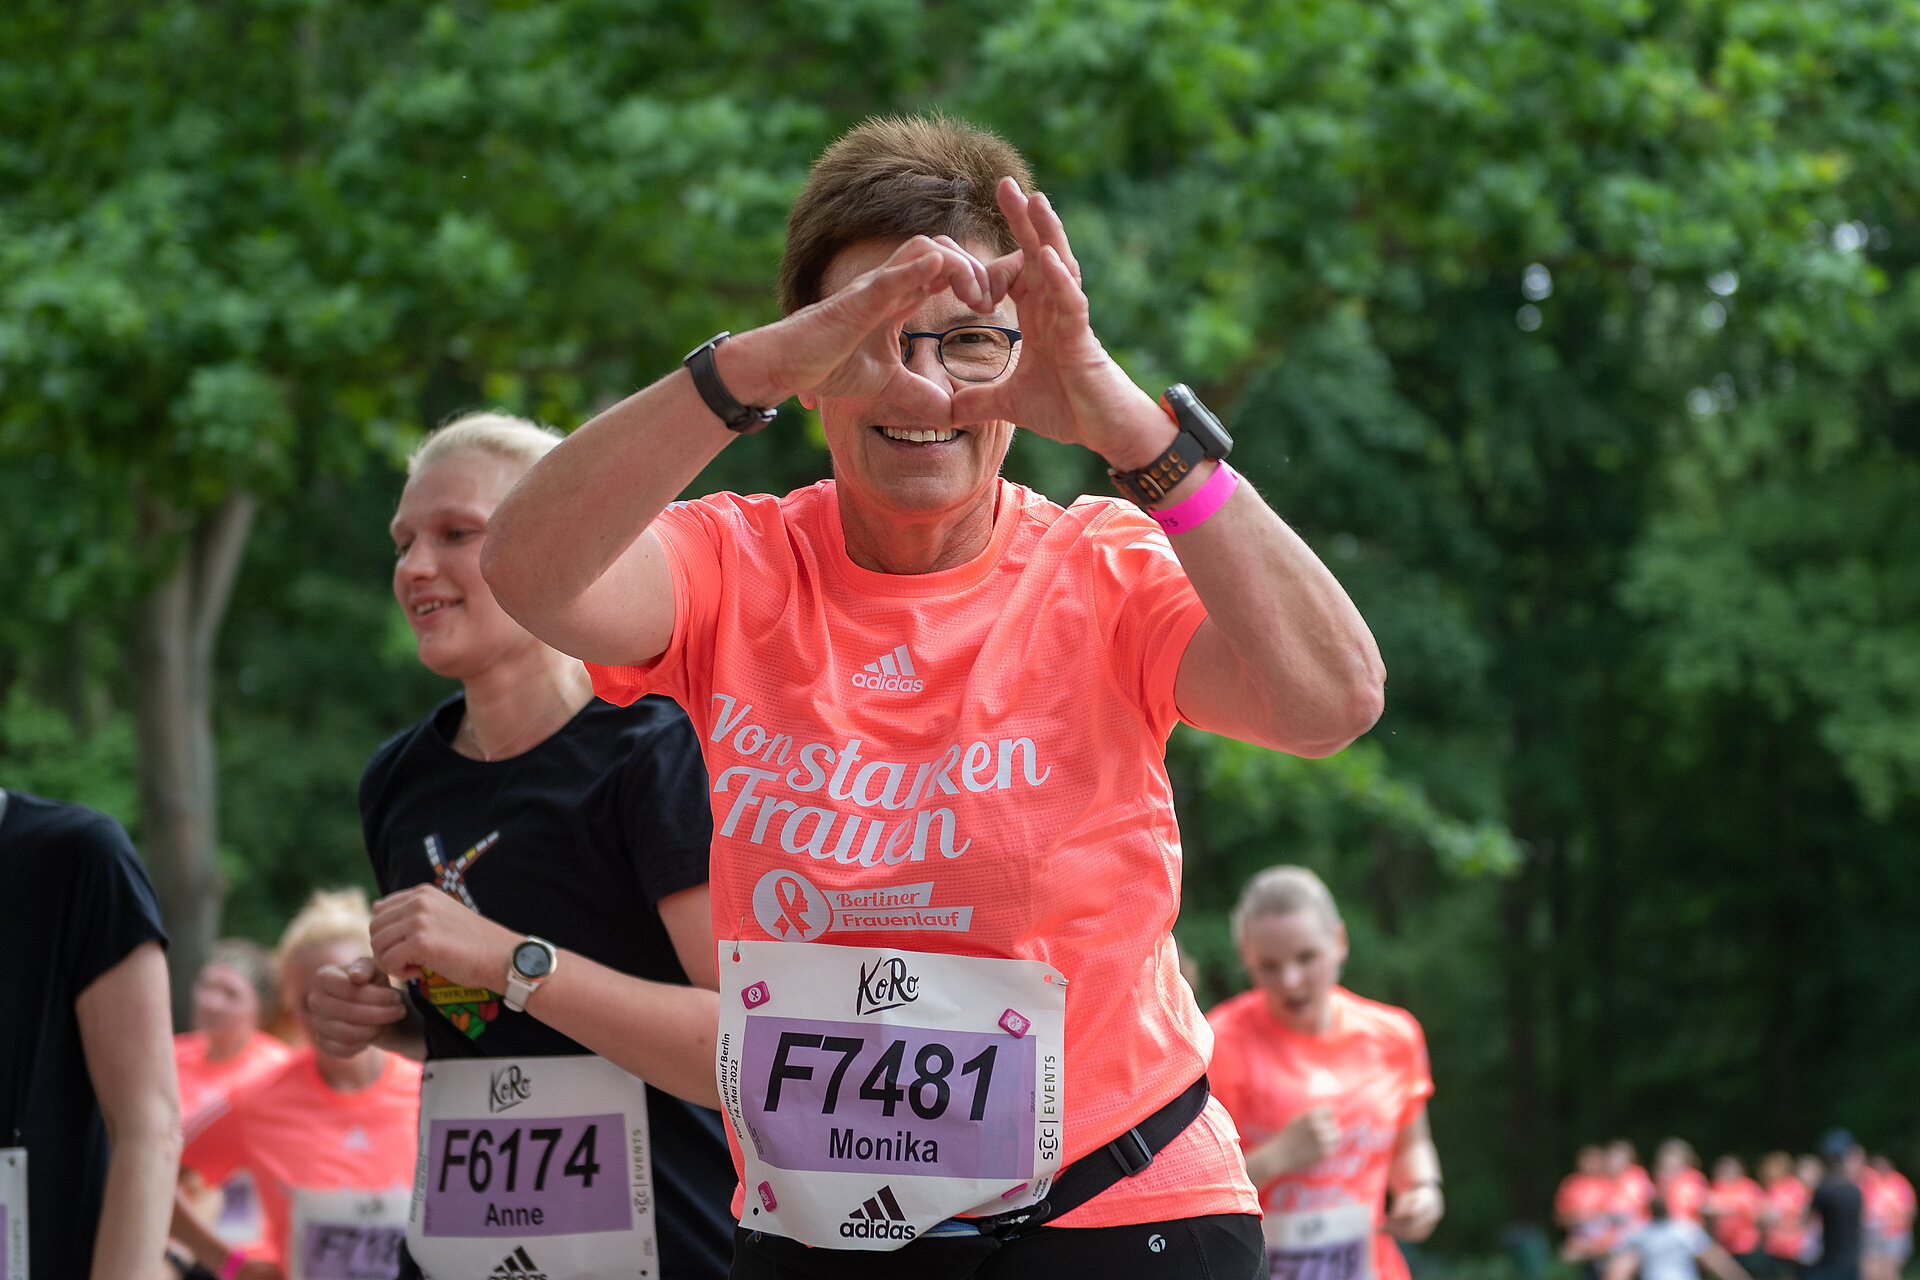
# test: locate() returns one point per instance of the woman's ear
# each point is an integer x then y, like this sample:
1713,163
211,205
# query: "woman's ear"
808,400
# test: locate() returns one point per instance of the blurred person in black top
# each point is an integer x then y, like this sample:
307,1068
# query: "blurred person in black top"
1837,1202
89,1110
524,814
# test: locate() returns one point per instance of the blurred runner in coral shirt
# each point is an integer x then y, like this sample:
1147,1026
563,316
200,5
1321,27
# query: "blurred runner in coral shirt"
1580,1206
1732,1209
328,1141
225,1052
1677,1177
1630,1190
1783,1214
1889,1219
226,1048
1329,1092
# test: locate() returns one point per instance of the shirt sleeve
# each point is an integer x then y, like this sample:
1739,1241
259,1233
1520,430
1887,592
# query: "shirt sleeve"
112,908
664,811
692,534
1148,608
1419,1073
215,1142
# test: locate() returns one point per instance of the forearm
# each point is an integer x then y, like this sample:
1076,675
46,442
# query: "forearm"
581,508
138,1202
662,1032
1306,674
1272,1159
207,1248
1416,1163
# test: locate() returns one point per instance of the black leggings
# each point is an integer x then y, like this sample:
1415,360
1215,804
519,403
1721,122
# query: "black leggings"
1222,1246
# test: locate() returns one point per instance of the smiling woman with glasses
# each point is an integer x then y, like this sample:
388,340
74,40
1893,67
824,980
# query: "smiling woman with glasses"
934,707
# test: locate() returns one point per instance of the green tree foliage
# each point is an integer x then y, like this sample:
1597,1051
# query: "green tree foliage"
1579,338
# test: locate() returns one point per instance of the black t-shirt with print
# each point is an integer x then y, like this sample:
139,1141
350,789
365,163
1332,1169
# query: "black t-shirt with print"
574,841
74,902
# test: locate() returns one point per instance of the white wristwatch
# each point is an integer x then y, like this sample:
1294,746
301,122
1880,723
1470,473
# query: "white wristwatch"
532,963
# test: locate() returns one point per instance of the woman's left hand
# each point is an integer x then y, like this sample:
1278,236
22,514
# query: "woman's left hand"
424,928
1064,385
1415,1213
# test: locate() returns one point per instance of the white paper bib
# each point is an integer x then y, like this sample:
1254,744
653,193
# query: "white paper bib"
346,1235
1332,1243
876,1092
538,1165
13,1204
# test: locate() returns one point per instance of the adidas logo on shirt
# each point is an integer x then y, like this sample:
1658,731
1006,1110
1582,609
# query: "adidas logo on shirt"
517,1264
891,671
356,1140
880,1218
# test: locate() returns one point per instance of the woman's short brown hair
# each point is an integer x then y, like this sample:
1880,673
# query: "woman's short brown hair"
893,177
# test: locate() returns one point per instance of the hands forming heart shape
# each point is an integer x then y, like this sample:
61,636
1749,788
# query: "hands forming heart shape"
1063,384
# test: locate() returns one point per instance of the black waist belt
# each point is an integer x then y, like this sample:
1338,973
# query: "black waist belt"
1124,1157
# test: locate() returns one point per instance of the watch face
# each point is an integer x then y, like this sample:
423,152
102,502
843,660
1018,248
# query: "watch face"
531,960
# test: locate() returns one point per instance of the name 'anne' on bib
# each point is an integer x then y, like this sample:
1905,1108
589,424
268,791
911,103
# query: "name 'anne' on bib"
876,1092
541,1159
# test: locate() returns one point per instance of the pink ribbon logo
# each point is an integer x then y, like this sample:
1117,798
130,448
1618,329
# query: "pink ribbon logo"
793,905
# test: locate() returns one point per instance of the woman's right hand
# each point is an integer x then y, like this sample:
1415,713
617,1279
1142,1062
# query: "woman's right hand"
349,1008
1308,1139
847,344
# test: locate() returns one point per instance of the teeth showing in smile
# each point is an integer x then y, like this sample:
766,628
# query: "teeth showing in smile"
422,610
918,437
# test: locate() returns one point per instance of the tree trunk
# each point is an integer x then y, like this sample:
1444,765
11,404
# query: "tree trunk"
1516,920
173,713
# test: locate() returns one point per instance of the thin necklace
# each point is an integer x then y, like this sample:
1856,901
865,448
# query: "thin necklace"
561,697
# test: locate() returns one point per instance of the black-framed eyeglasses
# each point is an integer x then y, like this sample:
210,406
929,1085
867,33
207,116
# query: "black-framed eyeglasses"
971,352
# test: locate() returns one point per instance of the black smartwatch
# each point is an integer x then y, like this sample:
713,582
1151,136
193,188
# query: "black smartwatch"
1201,437
744,418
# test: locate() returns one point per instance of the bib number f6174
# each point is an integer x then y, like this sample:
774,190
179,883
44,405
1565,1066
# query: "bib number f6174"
876,1092
538,1165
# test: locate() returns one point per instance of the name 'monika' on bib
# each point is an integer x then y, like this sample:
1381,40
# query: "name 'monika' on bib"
876,1092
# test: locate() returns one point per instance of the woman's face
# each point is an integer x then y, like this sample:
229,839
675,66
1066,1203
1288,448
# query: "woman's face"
296,976
909,478
458,628
224,1001
1295,959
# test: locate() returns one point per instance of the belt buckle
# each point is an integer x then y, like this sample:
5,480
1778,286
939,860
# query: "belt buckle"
1131,1152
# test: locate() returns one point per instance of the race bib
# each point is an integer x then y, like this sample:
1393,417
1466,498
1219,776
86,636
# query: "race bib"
346,1235
535,1165
1334,1243
13,1209
877,1092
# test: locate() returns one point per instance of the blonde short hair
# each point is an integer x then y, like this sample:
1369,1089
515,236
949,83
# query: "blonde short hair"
1280,891
336,915
500,434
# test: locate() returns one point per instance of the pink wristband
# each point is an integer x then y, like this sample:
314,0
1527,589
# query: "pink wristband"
231,1268
1195,511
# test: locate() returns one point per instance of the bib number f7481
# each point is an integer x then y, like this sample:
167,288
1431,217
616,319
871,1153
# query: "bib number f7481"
876,1092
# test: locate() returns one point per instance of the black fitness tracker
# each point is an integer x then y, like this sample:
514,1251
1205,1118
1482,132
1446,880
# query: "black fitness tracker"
1201,437
746,419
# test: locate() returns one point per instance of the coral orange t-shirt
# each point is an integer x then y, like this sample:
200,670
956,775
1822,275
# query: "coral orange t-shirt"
1369,1067
1787,1199
969,762
1581,1203
203,1080
1684,1192
294,1133
1733,1204
1888,1201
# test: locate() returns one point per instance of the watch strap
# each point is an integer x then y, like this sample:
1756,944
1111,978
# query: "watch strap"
745,419
1153,482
